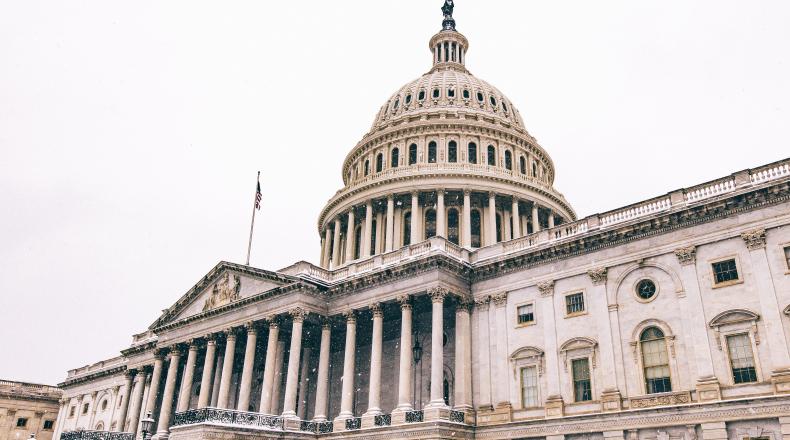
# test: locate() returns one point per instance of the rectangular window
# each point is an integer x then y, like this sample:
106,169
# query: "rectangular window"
725,271
741,358
574,303
85,408
72,410
656,365
48,424
787,257
529,387
526,314
582,388
21,422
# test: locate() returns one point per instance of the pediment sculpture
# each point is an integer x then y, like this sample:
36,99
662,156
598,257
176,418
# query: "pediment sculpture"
223,292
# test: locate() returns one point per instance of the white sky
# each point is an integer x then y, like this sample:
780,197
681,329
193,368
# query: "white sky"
130,132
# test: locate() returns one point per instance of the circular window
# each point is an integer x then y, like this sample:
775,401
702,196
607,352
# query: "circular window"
646,290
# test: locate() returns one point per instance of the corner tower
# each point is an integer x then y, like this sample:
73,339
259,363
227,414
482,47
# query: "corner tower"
447,155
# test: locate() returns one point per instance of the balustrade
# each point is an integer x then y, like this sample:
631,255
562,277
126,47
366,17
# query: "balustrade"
96,435
228,417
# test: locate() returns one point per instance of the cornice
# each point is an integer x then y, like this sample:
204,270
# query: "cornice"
91,377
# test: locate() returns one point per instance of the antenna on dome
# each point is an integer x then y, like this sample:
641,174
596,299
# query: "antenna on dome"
449,22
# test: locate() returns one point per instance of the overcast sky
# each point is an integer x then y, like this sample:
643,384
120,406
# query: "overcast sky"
131,132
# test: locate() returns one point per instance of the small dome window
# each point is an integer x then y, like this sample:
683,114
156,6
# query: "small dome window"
451,92
436,93
396,104
493,101
480,96
504,106
466,94
408,99
421,95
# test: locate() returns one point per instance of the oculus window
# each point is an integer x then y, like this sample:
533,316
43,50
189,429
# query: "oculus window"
645,289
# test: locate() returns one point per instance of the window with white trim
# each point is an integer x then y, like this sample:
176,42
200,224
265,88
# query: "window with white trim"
741,358
529,387
582,386
526,313
725,271
574,303
787,257
655,361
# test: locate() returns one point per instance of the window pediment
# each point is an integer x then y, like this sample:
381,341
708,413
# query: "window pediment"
527,356
735,320
578,347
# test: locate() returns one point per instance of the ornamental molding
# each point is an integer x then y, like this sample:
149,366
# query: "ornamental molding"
298,314
404,301
546,288
377,310
687,255
676,398
350,316
499,299
598,275
736,319
527,356
754,239
484,302
438,294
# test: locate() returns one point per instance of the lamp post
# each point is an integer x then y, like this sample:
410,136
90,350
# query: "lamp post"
147,426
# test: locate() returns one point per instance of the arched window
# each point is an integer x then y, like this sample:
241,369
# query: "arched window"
367,167
430,223
491,155
499,228
472,152
104,405
379,163
99,426
522,165
655,361
508,160
432,152
534,169
476,231
452,226
412,154
357,242
452,152
394,158
407,229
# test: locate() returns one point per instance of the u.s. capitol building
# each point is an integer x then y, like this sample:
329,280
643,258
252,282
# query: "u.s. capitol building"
459,296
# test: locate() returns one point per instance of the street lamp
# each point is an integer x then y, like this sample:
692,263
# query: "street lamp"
147,426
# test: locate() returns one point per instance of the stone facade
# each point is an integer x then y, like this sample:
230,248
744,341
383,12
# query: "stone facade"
27,409
491,313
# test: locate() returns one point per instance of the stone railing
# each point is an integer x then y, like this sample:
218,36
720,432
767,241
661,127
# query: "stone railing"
316,427
770,172
96,435
415,416
382,420
227,417
712,189
636,211
354,423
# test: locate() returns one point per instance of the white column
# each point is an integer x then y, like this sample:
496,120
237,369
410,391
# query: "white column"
127,397
137,402
268,370
350,236
245,389
483,352
380,231
336,244
277,390
322,385
463,364
217,381
437,347
301,405
535,218
186,381
168,395
227,370
405,379
551,218
491,226
326,257
466,236
208,372
390,229
554,402
374,394
347,396
292,379
441,215
516,219
156,380
366,251
415,217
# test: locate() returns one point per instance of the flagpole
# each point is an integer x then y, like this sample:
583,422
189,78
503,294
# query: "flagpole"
252,223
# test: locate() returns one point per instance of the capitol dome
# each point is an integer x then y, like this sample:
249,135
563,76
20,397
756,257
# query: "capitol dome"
447,155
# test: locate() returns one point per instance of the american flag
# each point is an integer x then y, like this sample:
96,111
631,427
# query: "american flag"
258,197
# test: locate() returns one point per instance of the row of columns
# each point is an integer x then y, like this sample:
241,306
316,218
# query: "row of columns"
333,255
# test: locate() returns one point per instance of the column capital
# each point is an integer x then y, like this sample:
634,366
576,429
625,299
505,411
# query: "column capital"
298,314
414,193
175,350
390,197
404,301
351,316
230,333
499,299
438,294
326,322
467,192
598,275
483,302
130,374
754,239
686,255
211,338
463,304
159,353
377,309
274,322
441,191
546,288
491,194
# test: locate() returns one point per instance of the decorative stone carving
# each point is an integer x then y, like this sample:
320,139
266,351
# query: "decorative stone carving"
579,346
686,255
351,316
661,400
404,301
298,314
438,294
526,356
598,275
754,239
223,292
482,303
463,305
378,311
546,288
250,327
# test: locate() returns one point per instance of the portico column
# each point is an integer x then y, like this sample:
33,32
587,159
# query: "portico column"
186,381
208,372
441,215
304,377
137,402
336,244
292,379
405,379
322,385
156,379
347,396
268,371
165,413
128,383
491,226
327,250
516,229
463,360
374,395
437,347
535,218
246,373
366,251
227,369
466,236
390,239
415,217
350,236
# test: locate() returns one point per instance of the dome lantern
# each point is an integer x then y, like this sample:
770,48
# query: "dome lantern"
449,46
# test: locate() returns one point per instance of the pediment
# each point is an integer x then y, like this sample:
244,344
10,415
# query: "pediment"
225,284
734,317
578,344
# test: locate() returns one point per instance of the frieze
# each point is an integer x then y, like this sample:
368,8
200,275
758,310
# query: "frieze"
223,293
660,400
